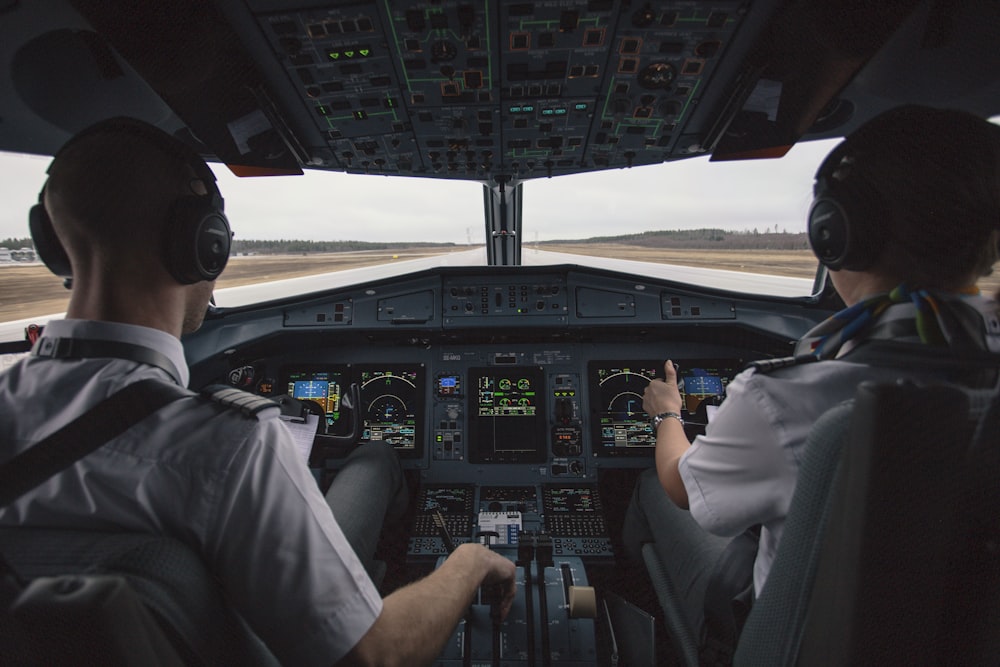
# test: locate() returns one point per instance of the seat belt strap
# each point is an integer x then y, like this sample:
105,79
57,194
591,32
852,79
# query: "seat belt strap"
85,434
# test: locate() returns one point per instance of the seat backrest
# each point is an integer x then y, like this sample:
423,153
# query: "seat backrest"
901,564
169,577
772,630
909,571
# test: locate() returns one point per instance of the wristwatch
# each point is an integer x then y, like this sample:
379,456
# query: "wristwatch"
658,419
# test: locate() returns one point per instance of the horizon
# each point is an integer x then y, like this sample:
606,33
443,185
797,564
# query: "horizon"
686,194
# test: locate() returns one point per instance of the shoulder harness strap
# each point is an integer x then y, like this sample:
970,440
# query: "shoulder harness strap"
88,432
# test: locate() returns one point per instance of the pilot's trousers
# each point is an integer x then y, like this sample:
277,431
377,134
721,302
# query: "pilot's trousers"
688,552
368,490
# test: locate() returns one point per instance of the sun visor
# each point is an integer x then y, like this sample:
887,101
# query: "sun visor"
71,78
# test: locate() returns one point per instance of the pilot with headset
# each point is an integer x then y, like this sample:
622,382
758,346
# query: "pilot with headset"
905,215
135,217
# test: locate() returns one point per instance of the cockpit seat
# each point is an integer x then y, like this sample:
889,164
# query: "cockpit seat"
904,565
891,547
168,577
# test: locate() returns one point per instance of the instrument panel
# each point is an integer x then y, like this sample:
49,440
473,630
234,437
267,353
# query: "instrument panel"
511,398
518,377
503,442
556,412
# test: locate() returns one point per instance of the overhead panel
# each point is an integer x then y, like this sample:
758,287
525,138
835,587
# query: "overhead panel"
477,90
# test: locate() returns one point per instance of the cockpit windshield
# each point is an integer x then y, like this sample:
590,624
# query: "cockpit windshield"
737,226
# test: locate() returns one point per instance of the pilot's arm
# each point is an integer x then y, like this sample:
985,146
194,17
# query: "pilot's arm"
291,573
739,473
663,396
418,619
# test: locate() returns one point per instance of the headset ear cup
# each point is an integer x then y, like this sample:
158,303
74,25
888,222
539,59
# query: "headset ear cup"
48,246
214,242
847,224
198,240
829,234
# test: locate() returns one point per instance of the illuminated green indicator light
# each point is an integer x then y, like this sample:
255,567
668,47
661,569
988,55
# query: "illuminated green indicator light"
333,55
528,108
365,52
548,112
348,54
580,106
360,115
560,112
515,109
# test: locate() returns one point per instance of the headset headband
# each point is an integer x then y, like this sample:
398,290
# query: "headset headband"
198,235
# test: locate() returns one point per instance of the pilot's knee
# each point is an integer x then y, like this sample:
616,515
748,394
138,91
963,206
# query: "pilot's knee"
374,452
379,459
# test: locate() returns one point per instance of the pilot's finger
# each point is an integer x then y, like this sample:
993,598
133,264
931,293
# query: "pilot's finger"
669,372
662,395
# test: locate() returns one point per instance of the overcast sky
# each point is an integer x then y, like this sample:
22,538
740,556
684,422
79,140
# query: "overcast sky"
323,206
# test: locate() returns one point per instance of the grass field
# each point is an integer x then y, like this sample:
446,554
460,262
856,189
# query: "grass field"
30,290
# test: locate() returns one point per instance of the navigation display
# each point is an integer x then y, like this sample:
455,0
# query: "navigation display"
621,427
392,405
507,415
325,387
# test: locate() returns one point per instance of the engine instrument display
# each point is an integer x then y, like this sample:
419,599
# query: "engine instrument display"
392,404
621,427
507,415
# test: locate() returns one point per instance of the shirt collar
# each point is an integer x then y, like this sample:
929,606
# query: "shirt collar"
134,334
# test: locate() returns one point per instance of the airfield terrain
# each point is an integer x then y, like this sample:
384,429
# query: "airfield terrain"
29,290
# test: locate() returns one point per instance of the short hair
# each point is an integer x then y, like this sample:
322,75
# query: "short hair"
937,175
113,186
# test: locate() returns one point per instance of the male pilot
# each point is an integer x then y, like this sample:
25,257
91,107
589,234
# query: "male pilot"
140,220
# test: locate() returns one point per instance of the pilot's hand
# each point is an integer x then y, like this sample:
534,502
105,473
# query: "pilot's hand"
500,575
662,395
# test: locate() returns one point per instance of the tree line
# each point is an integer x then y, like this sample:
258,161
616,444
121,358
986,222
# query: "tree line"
705,239
282,246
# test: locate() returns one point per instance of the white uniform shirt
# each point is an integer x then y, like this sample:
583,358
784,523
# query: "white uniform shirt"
743,470
232,487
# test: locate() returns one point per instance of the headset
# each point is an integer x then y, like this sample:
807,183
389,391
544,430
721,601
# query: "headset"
197,236
848,217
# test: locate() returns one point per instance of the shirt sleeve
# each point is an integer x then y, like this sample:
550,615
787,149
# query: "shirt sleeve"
283,560
738,474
